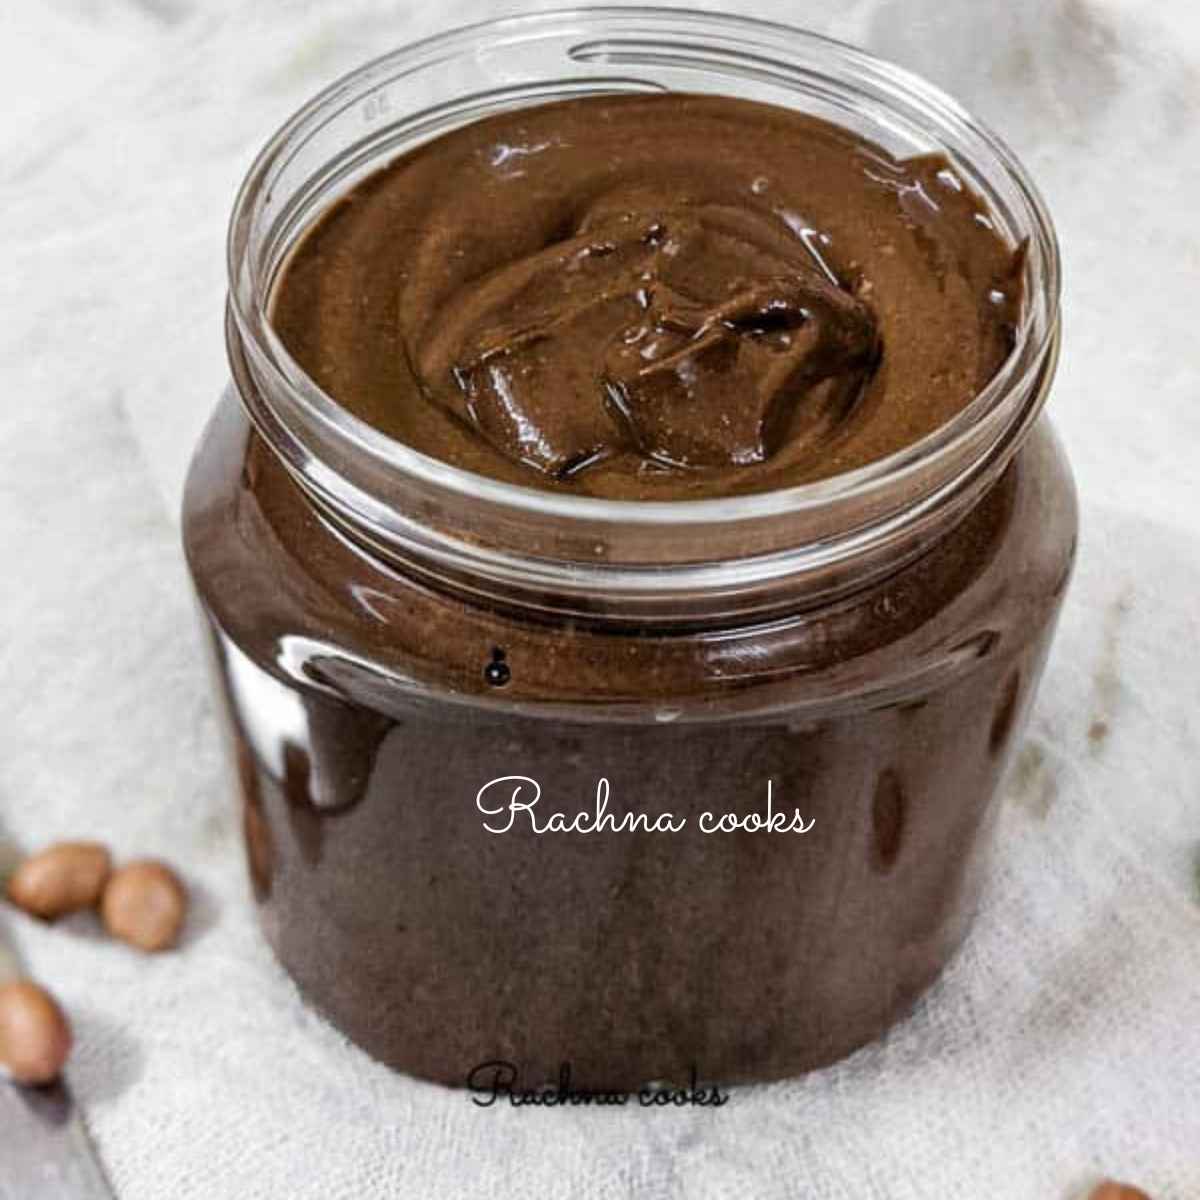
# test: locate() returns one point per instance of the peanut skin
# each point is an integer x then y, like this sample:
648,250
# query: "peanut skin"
1111,1190
144,904
64,878
35,1038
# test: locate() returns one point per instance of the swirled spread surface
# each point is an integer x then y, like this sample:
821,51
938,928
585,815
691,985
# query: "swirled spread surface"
662,296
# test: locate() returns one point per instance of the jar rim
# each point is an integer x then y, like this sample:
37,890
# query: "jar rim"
298,411
740,507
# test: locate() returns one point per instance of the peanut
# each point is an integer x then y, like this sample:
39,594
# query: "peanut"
35,1038
62,879
144,904
1111,1190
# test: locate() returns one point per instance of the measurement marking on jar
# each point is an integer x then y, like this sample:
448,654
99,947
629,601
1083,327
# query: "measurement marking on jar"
376,106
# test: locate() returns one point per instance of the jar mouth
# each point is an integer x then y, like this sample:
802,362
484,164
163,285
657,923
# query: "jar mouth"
365,476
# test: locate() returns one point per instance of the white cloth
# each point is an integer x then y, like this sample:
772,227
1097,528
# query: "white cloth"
1063,1044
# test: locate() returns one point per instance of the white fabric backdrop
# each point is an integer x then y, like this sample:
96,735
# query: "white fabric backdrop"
1065,1041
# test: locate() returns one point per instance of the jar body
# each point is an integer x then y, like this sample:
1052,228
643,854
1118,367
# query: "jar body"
366,715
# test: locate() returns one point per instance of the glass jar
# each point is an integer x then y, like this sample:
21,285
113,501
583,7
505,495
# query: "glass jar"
392,635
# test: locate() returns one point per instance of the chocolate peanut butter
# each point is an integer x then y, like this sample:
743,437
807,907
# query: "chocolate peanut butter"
657,296
648,297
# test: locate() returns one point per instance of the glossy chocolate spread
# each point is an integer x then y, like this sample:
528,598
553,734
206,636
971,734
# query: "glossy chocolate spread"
655,296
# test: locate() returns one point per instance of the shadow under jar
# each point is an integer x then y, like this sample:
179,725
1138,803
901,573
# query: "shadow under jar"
391,634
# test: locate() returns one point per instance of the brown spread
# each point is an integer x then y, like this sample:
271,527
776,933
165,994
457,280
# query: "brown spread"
653,297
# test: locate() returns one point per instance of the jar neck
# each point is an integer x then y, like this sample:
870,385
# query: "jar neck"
673,569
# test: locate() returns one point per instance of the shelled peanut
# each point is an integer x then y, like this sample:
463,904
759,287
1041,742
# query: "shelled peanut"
35,1037
1111,1190
144,904
65,878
